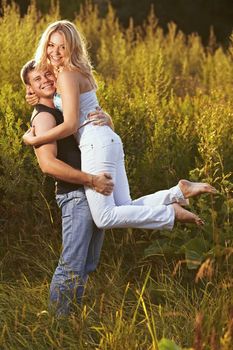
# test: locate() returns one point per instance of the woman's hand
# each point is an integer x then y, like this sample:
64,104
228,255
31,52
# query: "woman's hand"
31,98
29,137
103,118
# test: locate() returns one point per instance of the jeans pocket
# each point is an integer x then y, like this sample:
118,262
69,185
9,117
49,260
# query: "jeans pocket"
61,198
80,200
66,198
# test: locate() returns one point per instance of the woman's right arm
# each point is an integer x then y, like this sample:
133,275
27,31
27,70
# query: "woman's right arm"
52,166
69,90
31,98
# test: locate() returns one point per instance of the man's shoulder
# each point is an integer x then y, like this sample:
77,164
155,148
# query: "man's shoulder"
42,111
43,108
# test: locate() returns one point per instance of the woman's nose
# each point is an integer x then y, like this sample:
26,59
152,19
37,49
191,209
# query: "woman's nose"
56,50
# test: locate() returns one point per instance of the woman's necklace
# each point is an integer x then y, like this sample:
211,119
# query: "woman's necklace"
57,70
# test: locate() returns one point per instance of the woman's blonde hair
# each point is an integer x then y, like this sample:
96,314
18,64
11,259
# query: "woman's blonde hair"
75,49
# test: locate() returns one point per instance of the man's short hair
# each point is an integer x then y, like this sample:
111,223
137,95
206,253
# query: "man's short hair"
27,68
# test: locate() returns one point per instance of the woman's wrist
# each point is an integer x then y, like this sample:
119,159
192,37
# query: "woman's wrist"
36,141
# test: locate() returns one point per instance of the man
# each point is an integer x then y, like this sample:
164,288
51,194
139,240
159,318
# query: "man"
81,239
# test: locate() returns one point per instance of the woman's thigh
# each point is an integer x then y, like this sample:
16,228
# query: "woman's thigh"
98,158
121,189
106,157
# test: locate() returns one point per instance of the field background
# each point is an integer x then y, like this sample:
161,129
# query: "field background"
171,100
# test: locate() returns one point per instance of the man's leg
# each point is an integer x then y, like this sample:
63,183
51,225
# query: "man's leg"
69,278
94,251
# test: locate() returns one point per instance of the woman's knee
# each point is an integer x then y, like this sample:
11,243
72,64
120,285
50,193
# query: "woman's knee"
103,221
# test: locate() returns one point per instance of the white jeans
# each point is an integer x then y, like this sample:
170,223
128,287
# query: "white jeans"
102,151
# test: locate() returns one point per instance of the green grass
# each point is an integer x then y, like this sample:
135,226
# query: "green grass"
127,305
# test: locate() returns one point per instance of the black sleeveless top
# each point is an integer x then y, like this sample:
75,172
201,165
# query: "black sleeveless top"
67,149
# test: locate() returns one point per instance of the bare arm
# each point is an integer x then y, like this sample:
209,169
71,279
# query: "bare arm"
50,165
69,89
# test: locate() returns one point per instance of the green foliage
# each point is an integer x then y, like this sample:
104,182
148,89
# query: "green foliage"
171,102
166,344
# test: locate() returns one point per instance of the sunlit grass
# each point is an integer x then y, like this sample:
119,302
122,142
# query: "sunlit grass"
129,307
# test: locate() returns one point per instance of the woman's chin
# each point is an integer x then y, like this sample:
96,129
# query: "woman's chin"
56,64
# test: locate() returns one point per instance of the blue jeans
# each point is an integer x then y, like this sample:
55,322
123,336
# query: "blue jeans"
81,246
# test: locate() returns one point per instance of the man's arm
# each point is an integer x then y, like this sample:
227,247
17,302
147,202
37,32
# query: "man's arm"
50,165
103,118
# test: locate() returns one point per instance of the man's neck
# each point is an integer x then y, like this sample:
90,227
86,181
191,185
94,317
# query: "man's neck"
47,101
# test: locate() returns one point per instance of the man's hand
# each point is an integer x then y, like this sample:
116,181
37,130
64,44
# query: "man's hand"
103,118
103,183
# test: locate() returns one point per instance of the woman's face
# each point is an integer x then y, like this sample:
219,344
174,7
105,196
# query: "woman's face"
56,49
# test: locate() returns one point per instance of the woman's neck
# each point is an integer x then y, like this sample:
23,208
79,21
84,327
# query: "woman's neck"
57,70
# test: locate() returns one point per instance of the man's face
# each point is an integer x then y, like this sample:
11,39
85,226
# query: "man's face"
42,83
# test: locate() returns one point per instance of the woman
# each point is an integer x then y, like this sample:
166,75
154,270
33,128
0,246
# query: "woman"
63,49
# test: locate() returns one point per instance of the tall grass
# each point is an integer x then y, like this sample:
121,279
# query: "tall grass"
171,101
125,307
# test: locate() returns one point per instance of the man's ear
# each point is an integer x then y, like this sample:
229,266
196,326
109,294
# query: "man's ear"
29,90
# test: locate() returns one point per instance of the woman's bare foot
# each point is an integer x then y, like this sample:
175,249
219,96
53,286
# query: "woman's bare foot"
185,216
191,189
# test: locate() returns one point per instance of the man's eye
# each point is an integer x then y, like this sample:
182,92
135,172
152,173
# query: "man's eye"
50,45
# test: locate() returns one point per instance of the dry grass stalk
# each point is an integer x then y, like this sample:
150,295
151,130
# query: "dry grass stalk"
205,270
198,345
214,345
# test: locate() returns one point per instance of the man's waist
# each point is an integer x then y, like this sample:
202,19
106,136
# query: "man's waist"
62,187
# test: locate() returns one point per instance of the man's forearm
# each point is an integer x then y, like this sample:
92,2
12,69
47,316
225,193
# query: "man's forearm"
62,171
101,183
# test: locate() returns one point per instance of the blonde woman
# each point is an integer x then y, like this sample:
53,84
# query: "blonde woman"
63,50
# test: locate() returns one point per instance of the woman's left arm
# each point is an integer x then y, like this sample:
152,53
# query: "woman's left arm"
69,89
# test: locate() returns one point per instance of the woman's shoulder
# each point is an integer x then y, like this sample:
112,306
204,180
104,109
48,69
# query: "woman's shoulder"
73,78
70,74
67,72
